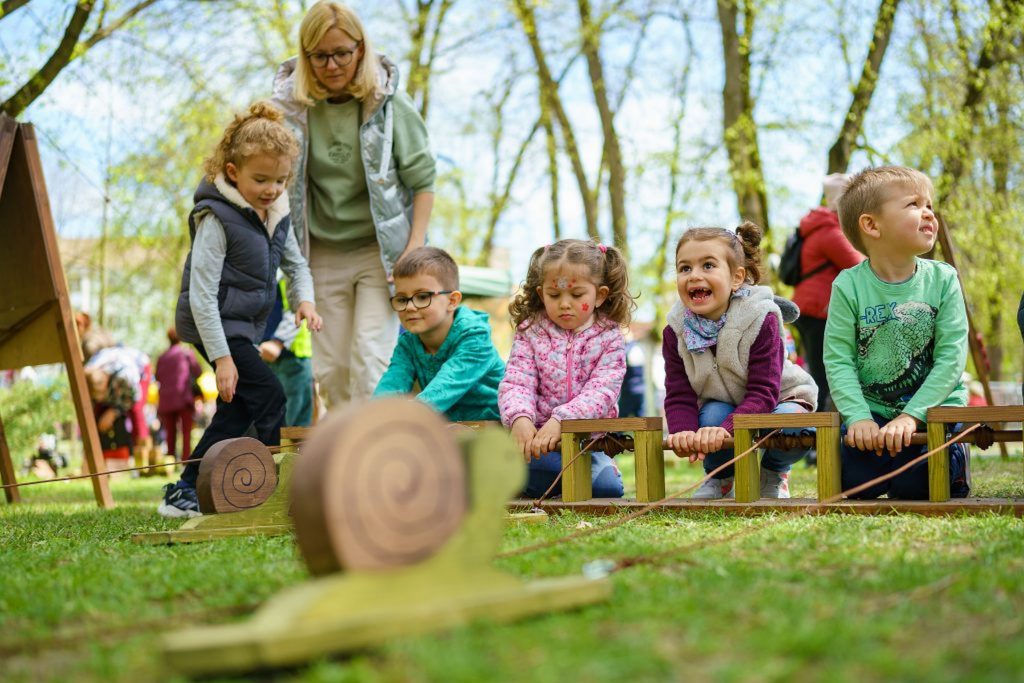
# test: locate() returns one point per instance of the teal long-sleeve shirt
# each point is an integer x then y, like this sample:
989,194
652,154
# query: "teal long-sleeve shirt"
894,348
460,380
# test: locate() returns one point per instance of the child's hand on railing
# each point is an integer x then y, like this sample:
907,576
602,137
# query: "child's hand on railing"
523,432
547,439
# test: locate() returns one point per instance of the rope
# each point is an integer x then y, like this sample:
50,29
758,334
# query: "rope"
183,463
651,558
633,515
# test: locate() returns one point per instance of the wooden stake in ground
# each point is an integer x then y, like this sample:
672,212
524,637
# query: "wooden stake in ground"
451,532
36,322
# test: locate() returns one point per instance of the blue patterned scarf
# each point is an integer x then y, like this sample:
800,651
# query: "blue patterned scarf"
699,333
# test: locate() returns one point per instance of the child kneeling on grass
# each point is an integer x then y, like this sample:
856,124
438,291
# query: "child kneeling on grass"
447,349
896,336
240,236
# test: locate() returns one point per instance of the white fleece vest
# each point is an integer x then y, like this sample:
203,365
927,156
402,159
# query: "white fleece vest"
722,376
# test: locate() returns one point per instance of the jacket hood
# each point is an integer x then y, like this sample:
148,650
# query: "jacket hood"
221,190
817,219
284,87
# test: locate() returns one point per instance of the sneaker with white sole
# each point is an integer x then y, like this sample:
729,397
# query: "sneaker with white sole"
180,501
774,484
714,488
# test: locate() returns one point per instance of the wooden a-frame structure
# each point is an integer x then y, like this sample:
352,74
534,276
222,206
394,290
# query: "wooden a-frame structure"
36,322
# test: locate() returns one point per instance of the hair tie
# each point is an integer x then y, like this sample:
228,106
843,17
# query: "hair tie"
604,249
736,236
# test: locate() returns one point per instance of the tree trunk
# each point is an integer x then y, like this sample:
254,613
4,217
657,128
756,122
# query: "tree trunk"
1001,31
423,50
740,130
591,41
551,147
853,124
549,90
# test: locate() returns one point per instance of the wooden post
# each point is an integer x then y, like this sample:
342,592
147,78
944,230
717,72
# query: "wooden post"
830,469
938,463
576,484
748,469
650,465
7,468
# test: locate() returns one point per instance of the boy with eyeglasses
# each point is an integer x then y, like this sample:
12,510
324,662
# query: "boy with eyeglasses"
448,350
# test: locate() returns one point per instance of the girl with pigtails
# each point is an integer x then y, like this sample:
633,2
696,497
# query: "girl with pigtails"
724,354
568,356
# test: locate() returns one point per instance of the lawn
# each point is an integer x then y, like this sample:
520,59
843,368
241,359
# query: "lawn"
830,598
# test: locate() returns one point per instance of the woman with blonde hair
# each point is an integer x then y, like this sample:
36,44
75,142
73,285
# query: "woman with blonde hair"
362,195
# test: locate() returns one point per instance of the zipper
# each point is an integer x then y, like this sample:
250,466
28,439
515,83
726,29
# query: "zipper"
568,368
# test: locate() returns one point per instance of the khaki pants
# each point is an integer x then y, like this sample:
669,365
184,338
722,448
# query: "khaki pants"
352,351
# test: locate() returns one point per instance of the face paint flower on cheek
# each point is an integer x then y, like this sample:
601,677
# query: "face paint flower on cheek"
586,307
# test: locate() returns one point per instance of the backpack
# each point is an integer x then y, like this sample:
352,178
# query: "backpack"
790,267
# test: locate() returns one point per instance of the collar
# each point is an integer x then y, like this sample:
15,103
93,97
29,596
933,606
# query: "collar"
277,212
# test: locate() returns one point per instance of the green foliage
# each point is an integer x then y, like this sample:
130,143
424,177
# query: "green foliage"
29,409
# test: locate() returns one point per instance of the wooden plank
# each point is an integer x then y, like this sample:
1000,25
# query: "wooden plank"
786,420
303,433
976,414
576,483
829,465
650,465
938,463
175,536
7,467
747,484
616,424
8,131
770,506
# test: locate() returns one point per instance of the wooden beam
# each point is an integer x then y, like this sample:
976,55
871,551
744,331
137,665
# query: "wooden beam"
786,420
611,424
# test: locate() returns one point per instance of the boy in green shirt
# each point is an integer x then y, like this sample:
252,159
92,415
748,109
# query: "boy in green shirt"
896,334
447,349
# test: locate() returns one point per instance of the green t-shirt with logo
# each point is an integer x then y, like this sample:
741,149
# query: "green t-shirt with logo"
894,348
339,203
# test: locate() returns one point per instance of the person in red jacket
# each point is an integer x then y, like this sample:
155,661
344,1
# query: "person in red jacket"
823,243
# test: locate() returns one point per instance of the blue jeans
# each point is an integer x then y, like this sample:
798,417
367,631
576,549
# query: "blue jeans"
604,476
713,414
863,466
296,376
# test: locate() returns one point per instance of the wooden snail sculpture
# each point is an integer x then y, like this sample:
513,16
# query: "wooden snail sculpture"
235,475
398,517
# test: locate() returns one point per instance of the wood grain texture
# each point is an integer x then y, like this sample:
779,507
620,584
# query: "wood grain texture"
576,482
938,464
830,467
748,469
378,486
650,465
611,424
234,475
976,414
786,420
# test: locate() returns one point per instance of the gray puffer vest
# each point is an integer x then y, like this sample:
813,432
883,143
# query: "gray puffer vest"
248,281
390,200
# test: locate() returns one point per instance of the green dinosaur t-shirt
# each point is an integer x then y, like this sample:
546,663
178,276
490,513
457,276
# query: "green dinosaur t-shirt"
894,348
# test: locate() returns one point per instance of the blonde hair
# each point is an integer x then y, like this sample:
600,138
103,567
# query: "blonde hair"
259,131
744,247
321,18
867,192
606,266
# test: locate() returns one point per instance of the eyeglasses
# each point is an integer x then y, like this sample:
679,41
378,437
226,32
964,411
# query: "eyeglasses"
342,57
419,300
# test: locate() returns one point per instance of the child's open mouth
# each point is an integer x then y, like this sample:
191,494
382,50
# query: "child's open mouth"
699,294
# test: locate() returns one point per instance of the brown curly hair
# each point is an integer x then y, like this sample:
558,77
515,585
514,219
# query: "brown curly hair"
744,246
259,131
606,266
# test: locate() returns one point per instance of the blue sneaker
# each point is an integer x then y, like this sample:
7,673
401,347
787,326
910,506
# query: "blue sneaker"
180,500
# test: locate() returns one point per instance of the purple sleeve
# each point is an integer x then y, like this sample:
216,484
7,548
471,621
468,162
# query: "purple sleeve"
764,372
680,399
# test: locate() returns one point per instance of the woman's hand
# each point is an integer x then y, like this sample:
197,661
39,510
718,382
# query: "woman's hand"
523,432
307,312
227,378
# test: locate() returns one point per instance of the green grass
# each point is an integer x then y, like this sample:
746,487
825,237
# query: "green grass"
832,598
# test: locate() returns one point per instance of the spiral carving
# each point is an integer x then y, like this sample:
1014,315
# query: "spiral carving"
378,486
236,474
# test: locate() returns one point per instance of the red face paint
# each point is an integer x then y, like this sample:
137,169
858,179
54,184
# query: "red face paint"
586,307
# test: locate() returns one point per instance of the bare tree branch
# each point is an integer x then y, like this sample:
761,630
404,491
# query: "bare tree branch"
9,6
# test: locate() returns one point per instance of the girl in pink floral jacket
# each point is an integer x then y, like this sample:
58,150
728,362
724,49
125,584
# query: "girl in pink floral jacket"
568,356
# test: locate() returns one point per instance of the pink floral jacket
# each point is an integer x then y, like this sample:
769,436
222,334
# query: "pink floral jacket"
567,375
